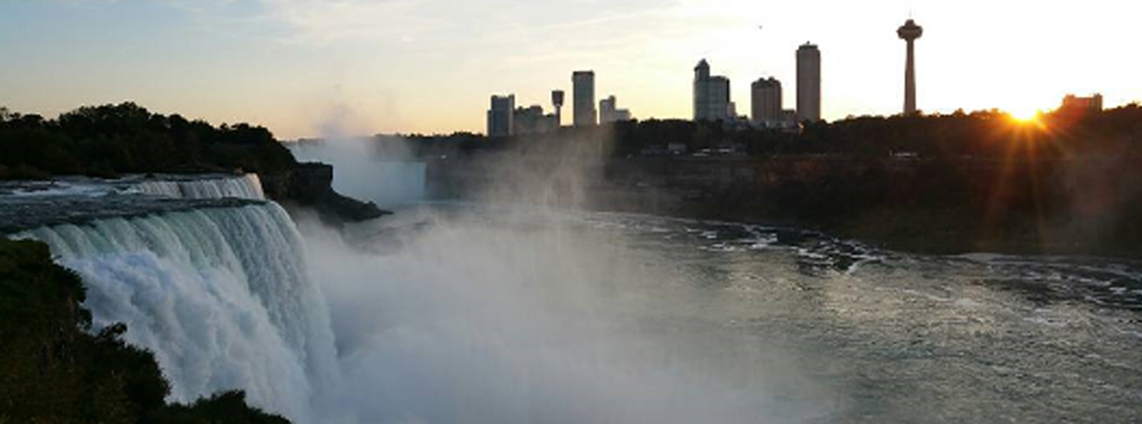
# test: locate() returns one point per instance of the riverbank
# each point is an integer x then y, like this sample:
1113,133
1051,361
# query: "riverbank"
939,207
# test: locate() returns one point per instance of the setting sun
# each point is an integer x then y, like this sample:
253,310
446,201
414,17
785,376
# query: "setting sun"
1026,116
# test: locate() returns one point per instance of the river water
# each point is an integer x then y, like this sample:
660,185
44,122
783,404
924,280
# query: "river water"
469,313
757,324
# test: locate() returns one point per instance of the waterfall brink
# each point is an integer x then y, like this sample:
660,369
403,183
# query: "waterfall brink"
248,186
221,296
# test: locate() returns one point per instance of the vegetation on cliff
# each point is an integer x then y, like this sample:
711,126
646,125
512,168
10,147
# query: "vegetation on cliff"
55,369
127,138
106,141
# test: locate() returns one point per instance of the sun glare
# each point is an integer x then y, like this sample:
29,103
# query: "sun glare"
1028,116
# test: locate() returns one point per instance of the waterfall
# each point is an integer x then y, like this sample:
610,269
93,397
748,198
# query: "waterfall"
248,186
221,296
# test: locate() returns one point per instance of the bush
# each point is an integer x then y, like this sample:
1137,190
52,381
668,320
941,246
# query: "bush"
54,370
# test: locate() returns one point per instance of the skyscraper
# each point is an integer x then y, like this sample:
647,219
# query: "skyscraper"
910,32
711,95
500,116
765,96
583,87
808,83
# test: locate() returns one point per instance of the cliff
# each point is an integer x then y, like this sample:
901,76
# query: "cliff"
310,185
936,206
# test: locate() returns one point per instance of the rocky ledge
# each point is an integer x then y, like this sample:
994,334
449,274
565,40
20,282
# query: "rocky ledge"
310,185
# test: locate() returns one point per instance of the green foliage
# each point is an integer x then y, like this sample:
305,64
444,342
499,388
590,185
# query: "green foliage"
979,135
126,138
54,370
228,407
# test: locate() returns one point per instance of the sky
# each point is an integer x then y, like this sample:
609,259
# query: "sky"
306,68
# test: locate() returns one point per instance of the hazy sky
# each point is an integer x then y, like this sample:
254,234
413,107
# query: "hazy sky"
309,67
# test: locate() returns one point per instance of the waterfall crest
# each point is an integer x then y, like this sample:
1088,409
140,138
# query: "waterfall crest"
248,186
221,296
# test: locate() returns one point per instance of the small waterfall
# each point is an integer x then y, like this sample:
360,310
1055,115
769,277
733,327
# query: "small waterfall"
221,296
248,186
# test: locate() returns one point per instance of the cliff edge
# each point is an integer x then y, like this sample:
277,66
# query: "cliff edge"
310,185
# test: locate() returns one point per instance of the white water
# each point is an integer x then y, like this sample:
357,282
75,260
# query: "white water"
221,296
506,317
464,323
248,186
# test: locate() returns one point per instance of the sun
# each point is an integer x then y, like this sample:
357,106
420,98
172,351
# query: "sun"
1027,116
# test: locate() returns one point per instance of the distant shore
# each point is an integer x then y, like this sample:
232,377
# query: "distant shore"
906,205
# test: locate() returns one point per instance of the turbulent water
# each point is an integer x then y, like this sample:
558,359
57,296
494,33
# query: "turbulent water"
221,295
208,186
470,314
665,320
246,187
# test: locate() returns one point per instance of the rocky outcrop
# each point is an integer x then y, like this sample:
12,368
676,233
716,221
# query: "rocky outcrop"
310,186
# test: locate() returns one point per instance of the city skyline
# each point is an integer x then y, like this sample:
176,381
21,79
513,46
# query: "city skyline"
307,68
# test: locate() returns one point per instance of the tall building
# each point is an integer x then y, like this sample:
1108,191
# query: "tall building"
501,121
765,96
808,83
609,111
711,95
583,102
910,32
557,102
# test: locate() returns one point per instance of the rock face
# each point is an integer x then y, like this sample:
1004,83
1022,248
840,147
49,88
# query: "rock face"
310,185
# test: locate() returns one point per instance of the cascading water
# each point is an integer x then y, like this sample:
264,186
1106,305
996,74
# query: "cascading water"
220,295
248,186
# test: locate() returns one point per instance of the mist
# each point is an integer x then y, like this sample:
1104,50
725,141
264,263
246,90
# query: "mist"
519,318
508,312
380,169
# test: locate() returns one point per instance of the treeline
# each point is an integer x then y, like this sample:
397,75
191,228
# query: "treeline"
55,369
980,135
1068,181
109,140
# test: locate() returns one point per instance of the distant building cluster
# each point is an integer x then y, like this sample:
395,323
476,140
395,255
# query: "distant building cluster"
505,119
610,113
713,99
1082,104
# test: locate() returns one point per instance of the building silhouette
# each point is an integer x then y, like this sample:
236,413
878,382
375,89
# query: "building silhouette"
532,120
808,83
557,102
909,33
583,101
501,122
1072,103
609,111
765,101
711,95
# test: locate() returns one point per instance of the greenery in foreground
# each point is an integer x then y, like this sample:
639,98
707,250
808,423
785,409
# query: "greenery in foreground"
55,369
109,140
